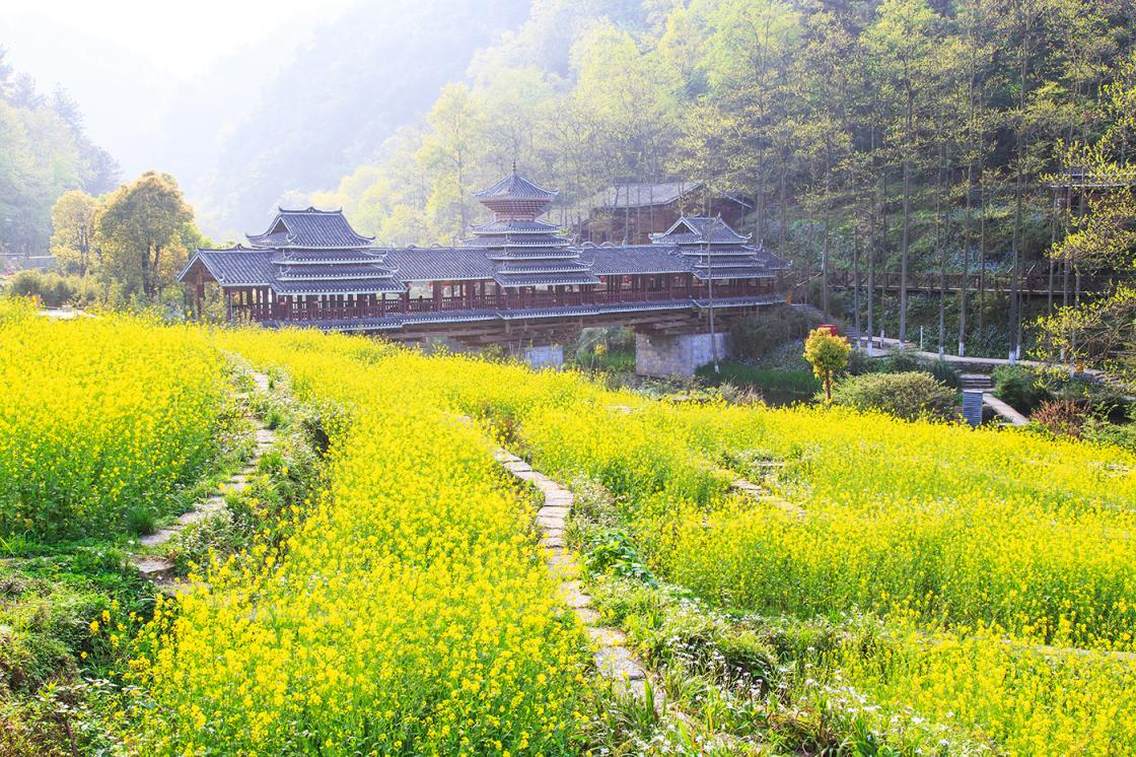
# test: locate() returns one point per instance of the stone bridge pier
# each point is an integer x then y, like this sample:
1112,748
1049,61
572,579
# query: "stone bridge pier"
544,356
664,355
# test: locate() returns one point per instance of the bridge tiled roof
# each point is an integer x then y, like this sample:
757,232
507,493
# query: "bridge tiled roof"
241,266
384,285
317,252
440,264
310,229
235,266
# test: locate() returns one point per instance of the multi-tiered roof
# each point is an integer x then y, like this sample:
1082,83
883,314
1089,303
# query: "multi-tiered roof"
525,251
715,251
316,252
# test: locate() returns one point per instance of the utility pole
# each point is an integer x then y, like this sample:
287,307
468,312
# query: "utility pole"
710,290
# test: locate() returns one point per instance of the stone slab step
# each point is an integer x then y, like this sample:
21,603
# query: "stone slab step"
587,615
574,595
562,562
153,567
550,523
157,538
617,662
607,637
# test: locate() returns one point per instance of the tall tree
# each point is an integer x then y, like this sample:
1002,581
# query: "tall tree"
455,122
143,231
73,230
901,38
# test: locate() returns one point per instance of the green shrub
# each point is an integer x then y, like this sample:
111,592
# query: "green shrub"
945,373
53,289
900,361
908,395
801,384
1101,431
860,362
1020,387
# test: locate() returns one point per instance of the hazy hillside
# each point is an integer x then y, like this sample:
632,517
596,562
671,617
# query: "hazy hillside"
331,106
44,151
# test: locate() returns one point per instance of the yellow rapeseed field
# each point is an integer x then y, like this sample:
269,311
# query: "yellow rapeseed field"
1002,561
409,612
99,418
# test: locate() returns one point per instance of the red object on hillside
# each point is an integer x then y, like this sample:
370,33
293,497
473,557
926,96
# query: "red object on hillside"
830,328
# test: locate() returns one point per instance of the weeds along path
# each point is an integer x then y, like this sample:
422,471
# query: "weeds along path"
160,568
613,659
404,613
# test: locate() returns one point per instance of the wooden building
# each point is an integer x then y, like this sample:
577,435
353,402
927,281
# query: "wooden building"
311,267
630,213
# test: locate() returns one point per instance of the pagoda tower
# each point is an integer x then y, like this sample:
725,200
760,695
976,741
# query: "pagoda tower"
526,252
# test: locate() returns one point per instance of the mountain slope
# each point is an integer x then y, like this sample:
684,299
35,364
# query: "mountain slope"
330,108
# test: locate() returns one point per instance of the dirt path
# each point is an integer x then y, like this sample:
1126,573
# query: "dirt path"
160,569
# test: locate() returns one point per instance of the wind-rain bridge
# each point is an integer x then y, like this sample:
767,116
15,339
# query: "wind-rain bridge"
517,282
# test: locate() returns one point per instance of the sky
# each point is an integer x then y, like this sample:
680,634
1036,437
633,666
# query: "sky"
182,38
126,62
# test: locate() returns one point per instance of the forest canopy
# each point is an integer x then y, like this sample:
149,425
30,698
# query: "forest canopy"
900,135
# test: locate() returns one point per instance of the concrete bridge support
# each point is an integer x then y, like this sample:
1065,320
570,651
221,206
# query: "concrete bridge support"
676,355
547,356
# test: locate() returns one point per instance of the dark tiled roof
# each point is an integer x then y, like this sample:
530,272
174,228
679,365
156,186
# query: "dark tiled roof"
515,187
692,230
236,266
333,271
547,278
552,266
310,229
503,242
352,286
515,227
328,257
245,267
440,264
616,261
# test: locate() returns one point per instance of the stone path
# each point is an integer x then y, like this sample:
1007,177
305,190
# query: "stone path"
1007,413
613,659
762,494
160,569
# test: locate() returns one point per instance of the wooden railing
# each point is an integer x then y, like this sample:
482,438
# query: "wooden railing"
1032,283
310,311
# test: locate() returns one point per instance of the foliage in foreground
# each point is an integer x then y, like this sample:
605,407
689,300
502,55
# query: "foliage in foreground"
977,550
104,421
909,395
407,613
